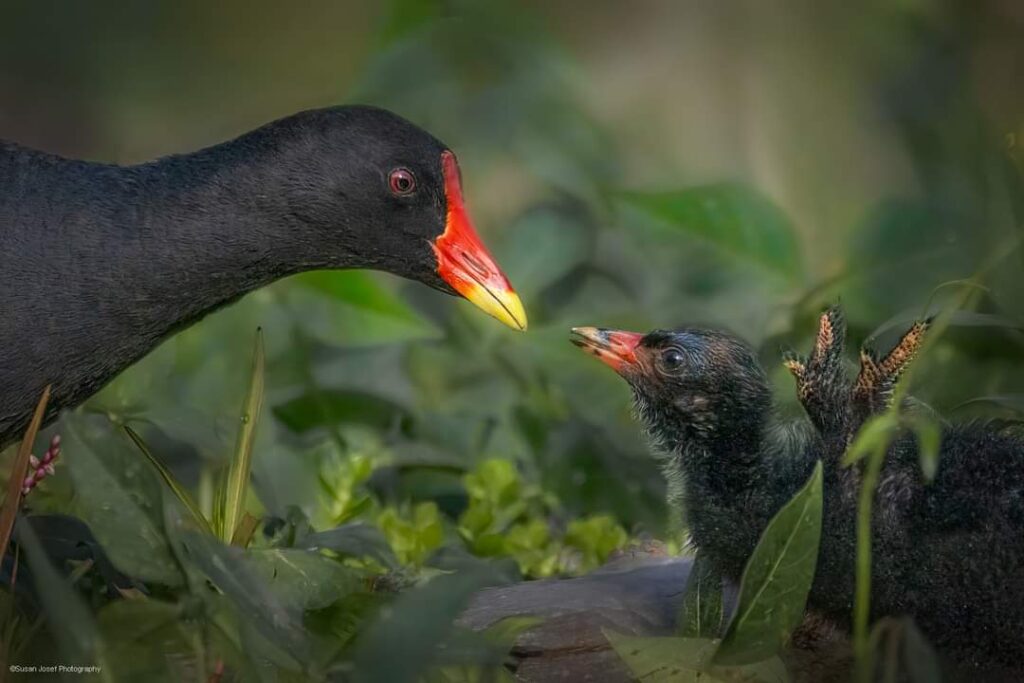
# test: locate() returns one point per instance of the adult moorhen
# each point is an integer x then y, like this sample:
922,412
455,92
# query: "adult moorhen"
949,552
99,263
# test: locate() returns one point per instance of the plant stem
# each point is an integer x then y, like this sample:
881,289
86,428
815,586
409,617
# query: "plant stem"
862,607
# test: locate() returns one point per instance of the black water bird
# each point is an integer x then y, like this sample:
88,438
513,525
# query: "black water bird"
949,552
99,263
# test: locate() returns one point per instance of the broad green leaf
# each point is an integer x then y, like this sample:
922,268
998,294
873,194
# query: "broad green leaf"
119,497
688,660
355,540
68,616
304,579
350,308
701,613
776,580
146,640
330,407
543,246
250,594
736,219
236,484
419,619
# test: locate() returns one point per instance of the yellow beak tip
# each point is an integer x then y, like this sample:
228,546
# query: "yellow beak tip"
504,305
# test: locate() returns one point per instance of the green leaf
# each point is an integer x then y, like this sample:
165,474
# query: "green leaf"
352,309
929,440
355,540
68,616
701,615
688,660
875,433
420,620
543,246
734,218
172,483
776,580
304,579
250,594
330,407
120,499
236,484
145,640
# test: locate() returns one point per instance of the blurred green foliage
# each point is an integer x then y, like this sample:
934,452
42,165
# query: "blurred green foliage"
634,168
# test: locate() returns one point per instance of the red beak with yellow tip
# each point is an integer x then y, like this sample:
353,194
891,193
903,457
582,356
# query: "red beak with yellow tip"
615,348
465,264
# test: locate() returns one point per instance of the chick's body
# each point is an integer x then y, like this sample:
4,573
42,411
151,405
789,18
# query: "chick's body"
949,552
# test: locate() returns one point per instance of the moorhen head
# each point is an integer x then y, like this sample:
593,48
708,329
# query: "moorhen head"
99,263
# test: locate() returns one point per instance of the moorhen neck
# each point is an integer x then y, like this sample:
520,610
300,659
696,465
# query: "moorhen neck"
99,263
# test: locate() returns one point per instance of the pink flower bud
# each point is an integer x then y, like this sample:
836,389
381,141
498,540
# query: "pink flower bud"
33,462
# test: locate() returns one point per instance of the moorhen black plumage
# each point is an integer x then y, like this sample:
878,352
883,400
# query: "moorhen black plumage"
949,552
99,263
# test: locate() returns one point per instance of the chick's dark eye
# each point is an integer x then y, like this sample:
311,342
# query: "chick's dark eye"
401,181
672,359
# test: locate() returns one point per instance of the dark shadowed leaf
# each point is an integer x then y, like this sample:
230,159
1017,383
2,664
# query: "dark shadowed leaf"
688,660
739,221
331,407
69,617
776,580
119,496
701,615
304,579
249,592
169,479
356,540
146,640
419,619
921,661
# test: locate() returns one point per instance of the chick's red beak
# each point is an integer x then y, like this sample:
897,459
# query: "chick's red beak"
465,264
615,348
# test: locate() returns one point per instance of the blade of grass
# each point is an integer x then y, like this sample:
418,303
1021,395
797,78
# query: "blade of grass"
244,531
236,485
169,479
12,502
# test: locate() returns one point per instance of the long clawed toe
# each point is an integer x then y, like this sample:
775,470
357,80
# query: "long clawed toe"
820,381
878,376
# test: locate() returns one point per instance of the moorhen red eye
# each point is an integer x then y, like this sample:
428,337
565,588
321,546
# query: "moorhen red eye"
948,552
402,181
100,263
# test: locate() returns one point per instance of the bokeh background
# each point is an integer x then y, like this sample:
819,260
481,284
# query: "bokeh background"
640,164
634,164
